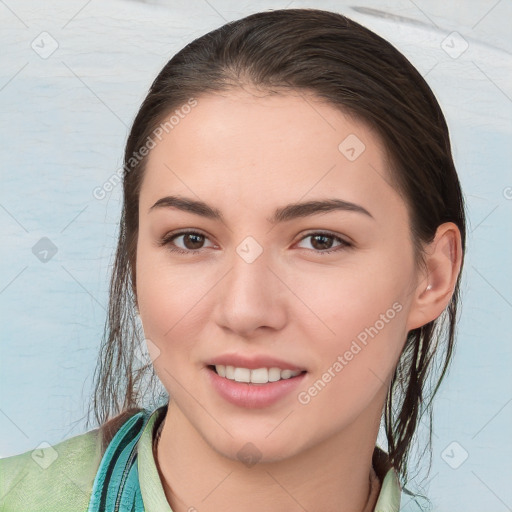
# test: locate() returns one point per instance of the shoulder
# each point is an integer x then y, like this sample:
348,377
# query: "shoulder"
50,477
55,477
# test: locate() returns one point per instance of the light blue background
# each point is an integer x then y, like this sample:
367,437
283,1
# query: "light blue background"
63,123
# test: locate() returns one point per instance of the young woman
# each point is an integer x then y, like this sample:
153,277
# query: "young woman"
292,238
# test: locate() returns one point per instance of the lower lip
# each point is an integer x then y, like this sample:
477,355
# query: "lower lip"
253,396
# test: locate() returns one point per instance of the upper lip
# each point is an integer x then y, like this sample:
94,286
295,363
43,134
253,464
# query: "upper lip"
253,362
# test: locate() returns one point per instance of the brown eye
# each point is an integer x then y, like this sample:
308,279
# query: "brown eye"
186,242
322,243
193,241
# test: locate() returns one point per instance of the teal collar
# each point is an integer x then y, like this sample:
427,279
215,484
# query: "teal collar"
116,486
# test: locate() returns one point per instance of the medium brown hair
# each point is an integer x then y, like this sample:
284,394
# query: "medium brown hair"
361,74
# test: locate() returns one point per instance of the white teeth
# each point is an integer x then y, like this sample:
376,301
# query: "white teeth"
242,375
258,376
286,374
274,374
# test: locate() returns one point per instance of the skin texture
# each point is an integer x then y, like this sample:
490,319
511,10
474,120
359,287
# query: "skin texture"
246,153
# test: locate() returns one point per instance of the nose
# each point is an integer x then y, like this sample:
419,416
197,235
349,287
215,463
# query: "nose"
251,297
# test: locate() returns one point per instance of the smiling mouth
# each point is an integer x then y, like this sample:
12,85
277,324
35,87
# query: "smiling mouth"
254,376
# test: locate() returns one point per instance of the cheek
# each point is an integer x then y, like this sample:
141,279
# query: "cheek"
171,302
344,301
359,325
356,365
157,293
168,315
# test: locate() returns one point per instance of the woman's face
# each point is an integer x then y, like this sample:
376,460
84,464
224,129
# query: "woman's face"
300,258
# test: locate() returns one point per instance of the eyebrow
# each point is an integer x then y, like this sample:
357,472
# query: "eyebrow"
286,213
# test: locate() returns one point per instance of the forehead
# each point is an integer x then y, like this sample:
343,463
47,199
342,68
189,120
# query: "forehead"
245,146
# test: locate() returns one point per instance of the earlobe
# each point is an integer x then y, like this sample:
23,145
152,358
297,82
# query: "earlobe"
443,261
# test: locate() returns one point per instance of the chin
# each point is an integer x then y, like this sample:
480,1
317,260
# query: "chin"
257,448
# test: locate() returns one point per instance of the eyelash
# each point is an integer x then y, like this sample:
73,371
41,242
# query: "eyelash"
167,239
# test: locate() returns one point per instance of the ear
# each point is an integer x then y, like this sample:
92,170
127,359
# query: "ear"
443,260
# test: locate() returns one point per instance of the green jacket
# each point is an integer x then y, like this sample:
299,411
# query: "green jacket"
71,476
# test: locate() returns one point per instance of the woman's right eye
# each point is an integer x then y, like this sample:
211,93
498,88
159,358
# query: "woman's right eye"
191,242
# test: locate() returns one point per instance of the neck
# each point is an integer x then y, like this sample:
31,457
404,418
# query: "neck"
196,477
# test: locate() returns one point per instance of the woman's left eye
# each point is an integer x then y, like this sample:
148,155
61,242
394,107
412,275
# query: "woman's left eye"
324,242
193,242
